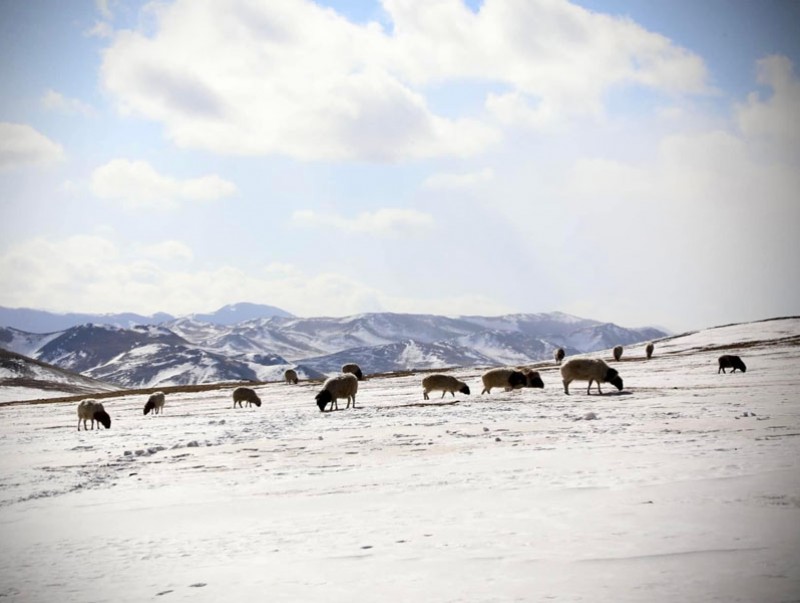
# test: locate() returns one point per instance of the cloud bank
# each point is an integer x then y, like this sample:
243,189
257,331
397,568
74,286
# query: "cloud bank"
293,78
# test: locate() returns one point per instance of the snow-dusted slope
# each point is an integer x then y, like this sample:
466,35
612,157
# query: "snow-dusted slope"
23,378
686,487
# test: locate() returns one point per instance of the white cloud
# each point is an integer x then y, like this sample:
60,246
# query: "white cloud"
775,120
55,101
20,145
103,8
95,274
297,79
137,183
168,251
101,29
444,181
382,222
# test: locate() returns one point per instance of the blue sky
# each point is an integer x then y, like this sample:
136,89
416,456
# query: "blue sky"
635,162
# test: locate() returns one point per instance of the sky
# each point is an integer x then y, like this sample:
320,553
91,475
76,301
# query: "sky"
634,162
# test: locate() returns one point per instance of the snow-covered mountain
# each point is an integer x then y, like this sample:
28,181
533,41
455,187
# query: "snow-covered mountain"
23,378
402,355
187,350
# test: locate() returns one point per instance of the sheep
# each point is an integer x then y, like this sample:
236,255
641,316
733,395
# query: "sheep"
245,394
91,409
503,377
444,384
155,403
589,369
729,361
649,350
339,386
617,352
353,368
291,376
558,355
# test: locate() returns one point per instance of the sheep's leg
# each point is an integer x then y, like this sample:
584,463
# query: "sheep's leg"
354,400
79,423
566,386
425,394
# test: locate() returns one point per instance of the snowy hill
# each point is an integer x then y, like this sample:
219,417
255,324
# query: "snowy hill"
23,378
682,487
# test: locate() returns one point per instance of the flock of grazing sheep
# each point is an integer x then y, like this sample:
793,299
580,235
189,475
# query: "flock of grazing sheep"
345,385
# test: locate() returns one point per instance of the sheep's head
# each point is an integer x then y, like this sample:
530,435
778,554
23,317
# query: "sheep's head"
737,362
534,380
359,375
323,398
612,377
517,379
465,389
257,401
101,416
149,406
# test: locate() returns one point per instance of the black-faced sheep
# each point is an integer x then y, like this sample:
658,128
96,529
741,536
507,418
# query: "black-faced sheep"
558,355
533,378
339,386
649,350
291,376
93,410
155,403
245,394
506,378
617,352
732,362
354,369
443,383
589,369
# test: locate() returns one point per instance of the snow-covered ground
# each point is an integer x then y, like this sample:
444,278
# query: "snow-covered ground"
685,488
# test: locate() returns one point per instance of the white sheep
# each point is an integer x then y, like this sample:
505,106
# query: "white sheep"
339,386
155,403
649,350
245,394
558,355
589,369
291,376
507,378
443,383
91,409
617,352
354,369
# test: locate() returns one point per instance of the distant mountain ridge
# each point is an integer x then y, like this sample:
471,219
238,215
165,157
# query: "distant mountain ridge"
186,350
42,321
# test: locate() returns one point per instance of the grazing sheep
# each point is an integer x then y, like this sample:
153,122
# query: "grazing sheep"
617,352
589,369
155,403
444,384
558,354
339,386
291,376
354,369
649,350
245,394
506,378
93,410
729,361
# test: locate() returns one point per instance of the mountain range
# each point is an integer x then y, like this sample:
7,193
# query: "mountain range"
216,347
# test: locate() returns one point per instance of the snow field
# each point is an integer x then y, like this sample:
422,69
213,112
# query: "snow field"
685,487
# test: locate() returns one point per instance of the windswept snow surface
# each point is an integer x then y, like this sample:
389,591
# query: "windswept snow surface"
686,487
